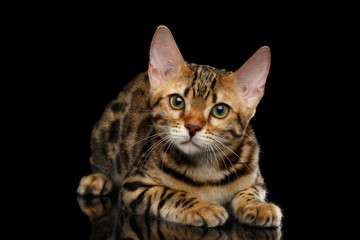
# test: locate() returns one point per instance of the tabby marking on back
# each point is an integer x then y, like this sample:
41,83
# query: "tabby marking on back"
178,144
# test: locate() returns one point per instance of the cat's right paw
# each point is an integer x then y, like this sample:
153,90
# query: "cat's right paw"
95,184
94,207
208,214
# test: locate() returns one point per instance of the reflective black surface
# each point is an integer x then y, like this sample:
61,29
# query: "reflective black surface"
108,221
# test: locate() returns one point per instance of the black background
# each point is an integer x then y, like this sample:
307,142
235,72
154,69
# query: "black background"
77,58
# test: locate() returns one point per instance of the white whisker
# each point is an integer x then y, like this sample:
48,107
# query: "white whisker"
147,153
148,138
233,153
171,140
213,157
256,143
223,154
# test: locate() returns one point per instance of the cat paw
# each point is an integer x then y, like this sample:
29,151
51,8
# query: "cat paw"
208,214
95,207
260,214
95,184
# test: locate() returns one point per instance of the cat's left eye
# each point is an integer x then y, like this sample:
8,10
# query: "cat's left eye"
220,111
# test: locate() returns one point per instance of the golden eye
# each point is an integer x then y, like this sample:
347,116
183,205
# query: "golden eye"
177,102
220,111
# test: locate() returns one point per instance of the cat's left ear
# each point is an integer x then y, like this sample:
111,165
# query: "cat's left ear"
250,78
165,58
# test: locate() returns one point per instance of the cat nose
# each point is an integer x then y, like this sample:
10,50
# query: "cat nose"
192,129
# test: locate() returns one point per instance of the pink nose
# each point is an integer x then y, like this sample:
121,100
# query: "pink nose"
192,129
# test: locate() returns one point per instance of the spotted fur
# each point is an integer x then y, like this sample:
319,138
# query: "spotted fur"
132,151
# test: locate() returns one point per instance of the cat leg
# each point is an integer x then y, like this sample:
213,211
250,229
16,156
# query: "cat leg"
95,184
171,205
251,208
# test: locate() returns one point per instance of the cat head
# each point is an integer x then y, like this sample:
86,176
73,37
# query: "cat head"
200,108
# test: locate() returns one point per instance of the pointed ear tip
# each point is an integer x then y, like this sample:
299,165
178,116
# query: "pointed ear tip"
264,49
162,28
162,32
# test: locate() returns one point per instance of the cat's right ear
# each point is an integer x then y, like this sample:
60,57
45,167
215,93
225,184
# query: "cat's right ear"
165,58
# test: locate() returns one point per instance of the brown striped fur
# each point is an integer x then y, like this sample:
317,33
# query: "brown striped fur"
109,221
138,147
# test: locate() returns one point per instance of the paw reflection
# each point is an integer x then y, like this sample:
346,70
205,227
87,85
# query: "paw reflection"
95,207
107,219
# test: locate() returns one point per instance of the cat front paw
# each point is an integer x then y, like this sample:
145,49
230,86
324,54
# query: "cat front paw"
260,214
208,214
95,184
94,207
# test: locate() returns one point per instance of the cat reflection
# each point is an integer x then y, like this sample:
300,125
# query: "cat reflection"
108,221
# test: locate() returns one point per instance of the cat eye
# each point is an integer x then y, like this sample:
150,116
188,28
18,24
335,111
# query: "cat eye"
220,111
177,102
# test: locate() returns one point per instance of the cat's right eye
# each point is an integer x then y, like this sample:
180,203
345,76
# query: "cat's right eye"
176,102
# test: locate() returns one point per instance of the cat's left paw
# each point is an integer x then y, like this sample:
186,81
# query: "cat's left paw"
260,214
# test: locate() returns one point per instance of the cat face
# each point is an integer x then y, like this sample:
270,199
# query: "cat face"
201,109
198,112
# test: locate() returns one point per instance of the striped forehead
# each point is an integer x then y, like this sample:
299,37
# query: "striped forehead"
204,79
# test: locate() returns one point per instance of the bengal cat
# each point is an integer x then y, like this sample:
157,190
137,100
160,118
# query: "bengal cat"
178,144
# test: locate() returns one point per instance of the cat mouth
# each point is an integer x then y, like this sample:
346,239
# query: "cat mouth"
190,143
189,146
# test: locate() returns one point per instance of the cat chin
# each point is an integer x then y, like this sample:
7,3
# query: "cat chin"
189,148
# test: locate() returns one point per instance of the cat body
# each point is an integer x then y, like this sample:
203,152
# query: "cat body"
178,144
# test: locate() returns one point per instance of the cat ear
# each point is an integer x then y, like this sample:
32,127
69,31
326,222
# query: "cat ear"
250,78
165,57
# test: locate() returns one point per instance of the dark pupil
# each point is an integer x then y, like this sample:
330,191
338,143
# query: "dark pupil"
178,101
220,110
